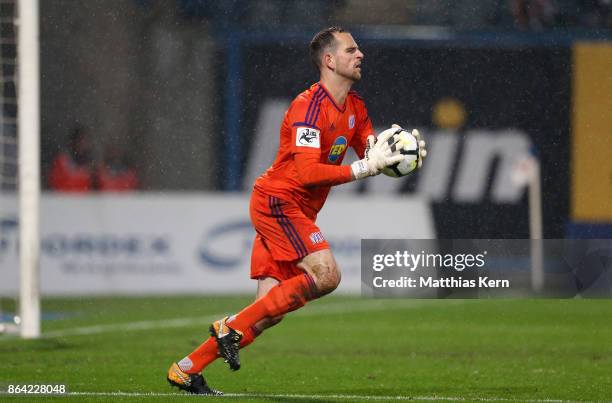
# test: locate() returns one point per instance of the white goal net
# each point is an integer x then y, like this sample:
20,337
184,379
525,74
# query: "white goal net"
8,160
8,122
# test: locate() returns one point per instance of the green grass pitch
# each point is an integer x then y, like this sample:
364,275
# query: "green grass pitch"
336,349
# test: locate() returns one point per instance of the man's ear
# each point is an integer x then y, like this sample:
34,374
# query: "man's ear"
329,61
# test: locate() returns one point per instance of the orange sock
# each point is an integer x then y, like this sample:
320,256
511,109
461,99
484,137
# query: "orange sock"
249,336
284,297
207,352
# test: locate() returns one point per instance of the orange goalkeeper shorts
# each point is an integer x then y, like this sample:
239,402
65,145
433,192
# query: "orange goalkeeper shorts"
284,236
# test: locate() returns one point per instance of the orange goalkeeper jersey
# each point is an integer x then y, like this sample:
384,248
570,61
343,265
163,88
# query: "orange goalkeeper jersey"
314,136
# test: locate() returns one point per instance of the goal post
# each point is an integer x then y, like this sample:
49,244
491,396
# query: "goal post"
28,129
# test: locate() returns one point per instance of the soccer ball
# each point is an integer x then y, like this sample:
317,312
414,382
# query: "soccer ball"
408,146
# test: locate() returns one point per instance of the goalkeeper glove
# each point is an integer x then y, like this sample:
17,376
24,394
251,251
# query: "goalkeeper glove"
420,142
378,155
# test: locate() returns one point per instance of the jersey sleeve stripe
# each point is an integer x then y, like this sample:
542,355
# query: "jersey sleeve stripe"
287,227
318,109
317,103
313,101
305,124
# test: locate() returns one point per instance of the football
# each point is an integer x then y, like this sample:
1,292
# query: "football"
408,146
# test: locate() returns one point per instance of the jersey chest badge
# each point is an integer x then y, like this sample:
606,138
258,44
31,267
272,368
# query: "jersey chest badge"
351,121
337,149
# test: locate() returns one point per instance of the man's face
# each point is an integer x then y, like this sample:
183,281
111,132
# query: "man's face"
346,57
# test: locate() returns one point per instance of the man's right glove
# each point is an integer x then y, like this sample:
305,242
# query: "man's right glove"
378,155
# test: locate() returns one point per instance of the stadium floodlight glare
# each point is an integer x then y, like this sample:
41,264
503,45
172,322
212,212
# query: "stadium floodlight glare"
28,129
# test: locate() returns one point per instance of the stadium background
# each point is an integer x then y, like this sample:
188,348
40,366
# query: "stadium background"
204,71
193,91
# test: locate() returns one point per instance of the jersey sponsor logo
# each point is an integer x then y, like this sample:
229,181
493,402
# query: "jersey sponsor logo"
351,121
317,237
307,137
337,149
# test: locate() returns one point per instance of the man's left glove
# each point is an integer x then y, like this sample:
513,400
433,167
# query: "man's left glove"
420,142
378,155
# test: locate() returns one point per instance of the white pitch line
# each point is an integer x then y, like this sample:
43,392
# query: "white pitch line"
320,397
318,309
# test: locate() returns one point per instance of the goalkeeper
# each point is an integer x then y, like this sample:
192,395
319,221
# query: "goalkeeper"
291,259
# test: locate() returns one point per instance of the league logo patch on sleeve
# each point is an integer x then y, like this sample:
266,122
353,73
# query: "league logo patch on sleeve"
307,137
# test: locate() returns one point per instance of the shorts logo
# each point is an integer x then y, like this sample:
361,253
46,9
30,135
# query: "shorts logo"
307,137
351,121
337,149
317,237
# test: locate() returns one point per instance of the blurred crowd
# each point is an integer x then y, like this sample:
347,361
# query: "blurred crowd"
74,169
543,14
532,15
